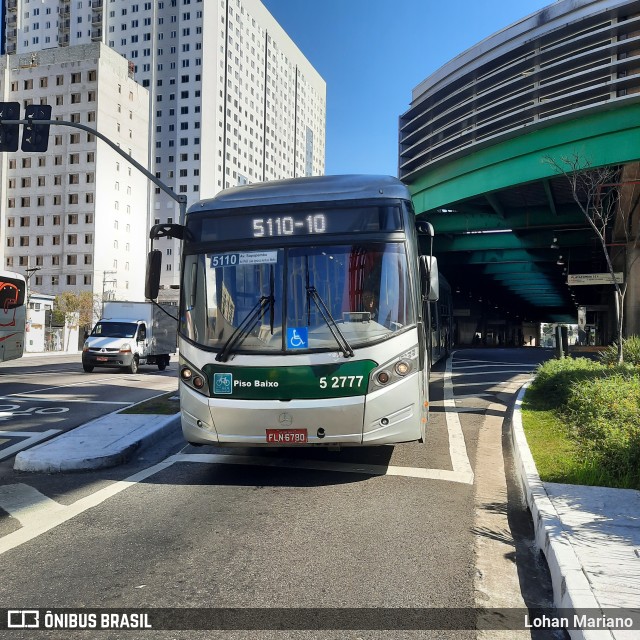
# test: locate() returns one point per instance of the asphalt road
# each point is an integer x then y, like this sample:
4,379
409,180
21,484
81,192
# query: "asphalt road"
439,525
42,396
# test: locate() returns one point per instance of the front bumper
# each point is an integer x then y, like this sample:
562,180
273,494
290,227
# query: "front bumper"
97,359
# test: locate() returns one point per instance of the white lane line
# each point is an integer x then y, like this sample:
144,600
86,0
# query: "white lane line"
43,521
457,446
486,383
319,465
31,438
60,399
466,396
92,381
491,364
27,504
488,373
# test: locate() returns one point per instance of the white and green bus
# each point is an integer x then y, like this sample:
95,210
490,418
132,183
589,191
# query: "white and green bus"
305,314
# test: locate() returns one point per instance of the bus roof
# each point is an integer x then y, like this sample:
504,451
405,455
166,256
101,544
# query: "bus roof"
310,189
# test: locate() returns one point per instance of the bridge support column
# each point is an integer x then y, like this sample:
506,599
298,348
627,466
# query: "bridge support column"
632,298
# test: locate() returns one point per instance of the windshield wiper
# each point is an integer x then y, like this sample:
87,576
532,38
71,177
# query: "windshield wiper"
345,347
246,326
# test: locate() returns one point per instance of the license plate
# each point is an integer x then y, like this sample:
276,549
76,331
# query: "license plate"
287,436
101,359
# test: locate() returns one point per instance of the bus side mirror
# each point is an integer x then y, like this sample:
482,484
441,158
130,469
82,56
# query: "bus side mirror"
429,280
152,281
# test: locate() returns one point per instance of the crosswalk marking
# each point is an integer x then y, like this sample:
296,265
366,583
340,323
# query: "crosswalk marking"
28,439
27,504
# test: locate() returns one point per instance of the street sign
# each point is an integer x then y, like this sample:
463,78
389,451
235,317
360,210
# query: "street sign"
9,133
575,279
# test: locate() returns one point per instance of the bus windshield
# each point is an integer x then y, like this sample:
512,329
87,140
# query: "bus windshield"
290,299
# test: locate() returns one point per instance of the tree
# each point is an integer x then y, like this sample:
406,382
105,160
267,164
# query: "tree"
598,193
84,304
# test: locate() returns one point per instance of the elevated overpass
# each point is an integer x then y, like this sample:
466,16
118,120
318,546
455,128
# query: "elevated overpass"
480,148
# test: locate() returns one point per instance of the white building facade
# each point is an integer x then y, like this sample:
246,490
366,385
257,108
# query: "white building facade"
232,98
77,213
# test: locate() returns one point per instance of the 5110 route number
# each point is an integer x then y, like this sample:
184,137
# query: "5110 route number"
341,382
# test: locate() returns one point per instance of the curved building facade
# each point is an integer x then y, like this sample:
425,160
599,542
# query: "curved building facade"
483,140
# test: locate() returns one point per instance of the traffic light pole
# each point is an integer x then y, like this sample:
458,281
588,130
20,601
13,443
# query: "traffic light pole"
181,200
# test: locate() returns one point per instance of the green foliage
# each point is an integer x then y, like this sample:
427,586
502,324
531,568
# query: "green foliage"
555,377
598,408
630,352
605,416
69,302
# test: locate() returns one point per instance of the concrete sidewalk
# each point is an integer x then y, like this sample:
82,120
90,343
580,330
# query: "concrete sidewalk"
105,442
590,537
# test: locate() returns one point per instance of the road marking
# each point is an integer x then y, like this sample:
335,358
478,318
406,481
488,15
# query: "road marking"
42,521
495,362
487,373
30,438
91,381
319,465
41,516
466,396
59,399
485,383
490,364
27,504
457,446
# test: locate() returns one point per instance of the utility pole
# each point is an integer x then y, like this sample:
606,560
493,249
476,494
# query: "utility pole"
104,282
29,272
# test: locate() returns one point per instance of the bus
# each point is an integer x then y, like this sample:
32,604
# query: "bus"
305,314
441,314
13,315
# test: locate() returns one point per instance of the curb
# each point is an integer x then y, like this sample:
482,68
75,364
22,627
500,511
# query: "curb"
571,588
105,442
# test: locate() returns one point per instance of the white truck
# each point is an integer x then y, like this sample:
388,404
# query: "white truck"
130,334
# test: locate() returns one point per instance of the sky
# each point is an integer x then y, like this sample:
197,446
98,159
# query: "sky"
373,53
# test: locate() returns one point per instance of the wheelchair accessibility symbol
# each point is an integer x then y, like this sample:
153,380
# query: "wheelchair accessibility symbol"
298,338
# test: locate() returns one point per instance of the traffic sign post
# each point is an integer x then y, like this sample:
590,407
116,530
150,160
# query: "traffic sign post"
36,137
9,132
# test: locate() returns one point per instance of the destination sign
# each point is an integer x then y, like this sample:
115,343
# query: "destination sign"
243,258
205,227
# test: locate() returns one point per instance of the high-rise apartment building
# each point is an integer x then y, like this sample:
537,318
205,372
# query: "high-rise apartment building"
232,99
76,214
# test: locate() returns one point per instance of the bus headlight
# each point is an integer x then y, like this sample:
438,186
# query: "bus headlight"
403,367
394,370
194,378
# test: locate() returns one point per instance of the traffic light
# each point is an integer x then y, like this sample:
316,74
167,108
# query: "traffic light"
35,137
9,133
